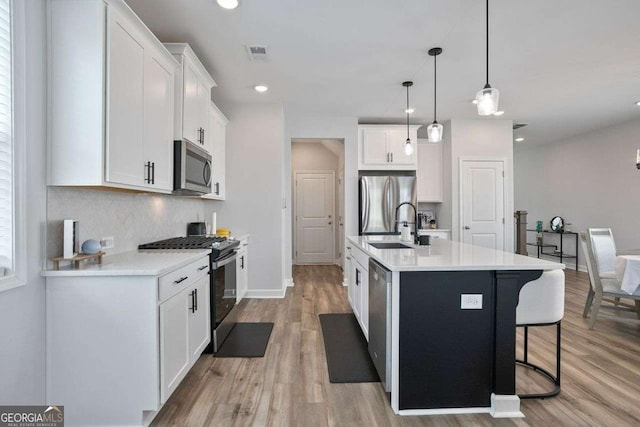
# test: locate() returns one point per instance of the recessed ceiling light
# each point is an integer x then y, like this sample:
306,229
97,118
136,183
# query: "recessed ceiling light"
638,103
498,113
410,110
475,101
228,4
261,88
520,139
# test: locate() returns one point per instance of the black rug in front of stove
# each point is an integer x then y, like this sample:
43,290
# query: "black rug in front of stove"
348,358
246,340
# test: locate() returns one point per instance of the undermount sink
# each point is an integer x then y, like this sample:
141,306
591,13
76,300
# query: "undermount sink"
389,245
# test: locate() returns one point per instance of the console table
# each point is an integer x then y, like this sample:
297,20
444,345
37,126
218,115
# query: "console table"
557,253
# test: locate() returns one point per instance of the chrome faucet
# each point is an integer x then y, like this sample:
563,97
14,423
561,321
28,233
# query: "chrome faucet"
415,220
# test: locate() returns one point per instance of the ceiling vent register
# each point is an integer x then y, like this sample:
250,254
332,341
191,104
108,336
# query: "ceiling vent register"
257,53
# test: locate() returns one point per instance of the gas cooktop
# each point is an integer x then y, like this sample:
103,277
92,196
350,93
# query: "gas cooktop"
189,242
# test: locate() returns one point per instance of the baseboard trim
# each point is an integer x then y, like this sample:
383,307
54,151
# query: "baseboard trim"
266,293
288,283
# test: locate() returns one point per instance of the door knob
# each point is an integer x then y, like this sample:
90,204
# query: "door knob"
466,227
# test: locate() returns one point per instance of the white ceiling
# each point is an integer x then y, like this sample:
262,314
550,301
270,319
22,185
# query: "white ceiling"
565,67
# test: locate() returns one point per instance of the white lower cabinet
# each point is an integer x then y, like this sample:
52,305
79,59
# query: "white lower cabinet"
125,340
184,333
242,269
357,266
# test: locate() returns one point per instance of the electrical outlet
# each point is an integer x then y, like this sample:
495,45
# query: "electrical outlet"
107,242
471,301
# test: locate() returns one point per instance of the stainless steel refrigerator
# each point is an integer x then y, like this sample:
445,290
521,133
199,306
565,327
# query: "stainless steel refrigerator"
379,196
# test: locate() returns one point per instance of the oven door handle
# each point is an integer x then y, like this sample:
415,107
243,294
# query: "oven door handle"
226,260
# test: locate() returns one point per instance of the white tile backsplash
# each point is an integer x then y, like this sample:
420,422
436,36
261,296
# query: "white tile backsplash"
131,218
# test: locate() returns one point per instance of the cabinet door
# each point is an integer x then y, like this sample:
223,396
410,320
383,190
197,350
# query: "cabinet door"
158,123
204,101
174,347
397,139
242,277
192,110
125,89
217,142
429,173
374,147
199,318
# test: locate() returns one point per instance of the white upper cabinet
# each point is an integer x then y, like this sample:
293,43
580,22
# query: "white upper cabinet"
193,96
429,173
381,147
110,98
215,144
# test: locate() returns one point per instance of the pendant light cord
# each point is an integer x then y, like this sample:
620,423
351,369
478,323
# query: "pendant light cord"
407,112
435,87
487,39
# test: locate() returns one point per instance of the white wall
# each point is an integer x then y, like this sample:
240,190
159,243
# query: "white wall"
589,180
22,314
479,138
254,171
300,125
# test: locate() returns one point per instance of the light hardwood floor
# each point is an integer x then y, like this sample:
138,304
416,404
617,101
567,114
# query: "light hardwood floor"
290,385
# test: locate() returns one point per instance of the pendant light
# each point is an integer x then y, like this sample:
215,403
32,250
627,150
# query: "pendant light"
487,97
408,145
434,130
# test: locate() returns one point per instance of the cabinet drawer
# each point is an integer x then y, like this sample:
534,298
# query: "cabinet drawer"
361,257
174,282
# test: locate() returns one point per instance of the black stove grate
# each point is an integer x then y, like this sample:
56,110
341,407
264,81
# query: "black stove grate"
189,242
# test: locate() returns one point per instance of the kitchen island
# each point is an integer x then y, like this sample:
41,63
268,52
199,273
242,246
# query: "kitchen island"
450,322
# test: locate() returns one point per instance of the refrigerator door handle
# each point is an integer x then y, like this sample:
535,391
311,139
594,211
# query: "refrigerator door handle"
365,203
386,201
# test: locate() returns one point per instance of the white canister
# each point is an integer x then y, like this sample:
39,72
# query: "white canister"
405,233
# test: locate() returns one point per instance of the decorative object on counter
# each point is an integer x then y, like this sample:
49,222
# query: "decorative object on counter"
557,224
428,216
196,229
214,222
487,97
408,145
434,130
224,232
91,246
539,226
405,232
432,224
424,240
71,238
521,232
77,259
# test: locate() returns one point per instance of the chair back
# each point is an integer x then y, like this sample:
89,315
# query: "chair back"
604,249
594,278
542,300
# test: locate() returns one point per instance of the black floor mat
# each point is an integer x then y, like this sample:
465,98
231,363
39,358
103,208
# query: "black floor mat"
346,349
246,340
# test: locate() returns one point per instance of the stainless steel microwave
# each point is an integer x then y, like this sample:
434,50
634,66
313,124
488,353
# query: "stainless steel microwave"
191,169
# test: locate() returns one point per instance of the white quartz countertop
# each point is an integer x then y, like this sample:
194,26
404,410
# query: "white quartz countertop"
134,263
447,255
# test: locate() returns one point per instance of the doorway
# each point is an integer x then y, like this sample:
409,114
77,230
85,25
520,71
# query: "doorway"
482,203
318,201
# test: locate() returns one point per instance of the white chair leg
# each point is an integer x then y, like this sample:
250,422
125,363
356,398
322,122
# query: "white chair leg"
597,301
587,304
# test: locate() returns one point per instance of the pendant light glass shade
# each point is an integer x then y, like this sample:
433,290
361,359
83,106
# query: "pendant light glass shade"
434,132
408,147
487,101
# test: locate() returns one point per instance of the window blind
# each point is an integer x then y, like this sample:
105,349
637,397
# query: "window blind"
6,141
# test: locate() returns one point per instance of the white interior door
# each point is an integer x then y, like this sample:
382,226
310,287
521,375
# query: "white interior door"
482,203
314,217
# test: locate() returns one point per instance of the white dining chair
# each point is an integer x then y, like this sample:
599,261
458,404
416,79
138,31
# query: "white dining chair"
541,303
597,244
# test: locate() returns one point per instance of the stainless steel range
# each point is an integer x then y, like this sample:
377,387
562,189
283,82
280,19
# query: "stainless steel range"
222,279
